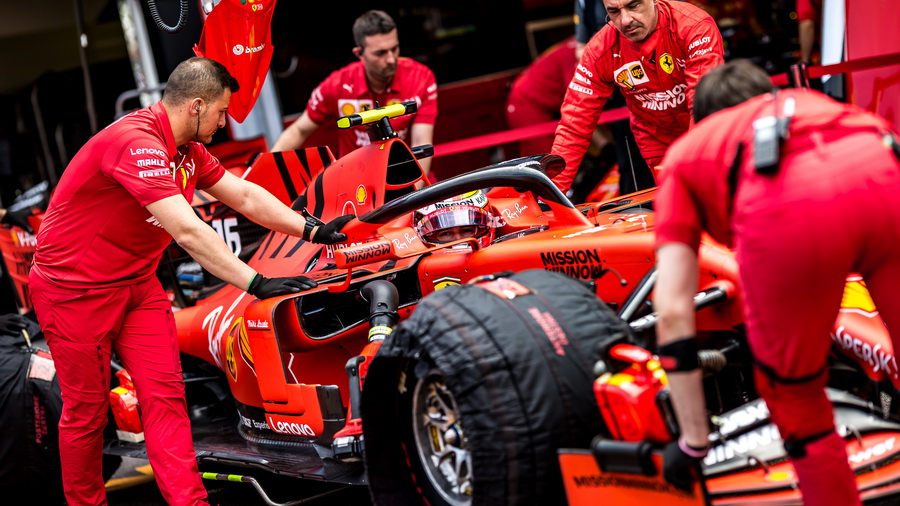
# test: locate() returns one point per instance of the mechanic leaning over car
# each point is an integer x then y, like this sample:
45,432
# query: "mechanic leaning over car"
118,205
381,76
655,51
804,189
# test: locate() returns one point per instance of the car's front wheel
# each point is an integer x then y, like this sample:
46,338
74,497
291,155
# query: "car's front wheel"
469,399
435,441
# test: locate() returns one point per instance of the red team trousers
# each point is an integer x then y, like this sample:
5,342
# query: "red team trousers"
82,327
832,209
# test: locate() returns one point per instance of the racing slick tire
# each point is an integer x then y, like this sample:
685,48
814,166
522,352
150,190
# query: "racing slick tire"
467,401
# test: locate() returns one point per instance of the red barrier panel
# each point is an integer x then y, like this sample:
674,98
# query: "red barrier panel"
517,134
842,67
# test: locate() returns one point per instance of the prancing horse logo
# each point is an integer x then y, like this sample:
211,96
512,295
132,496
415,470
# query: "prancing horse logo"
667,63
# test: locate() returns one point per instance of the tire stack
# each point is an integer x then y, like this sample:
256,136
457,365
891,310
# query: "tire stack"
518,364
30,407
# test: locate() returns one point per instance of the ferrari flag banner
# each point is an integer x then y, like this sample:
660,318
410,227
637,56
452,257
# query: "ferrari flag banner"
236,34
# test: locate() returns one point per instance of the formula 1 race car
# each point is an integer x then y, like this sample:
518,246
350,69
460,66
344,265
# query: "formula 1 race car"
281,385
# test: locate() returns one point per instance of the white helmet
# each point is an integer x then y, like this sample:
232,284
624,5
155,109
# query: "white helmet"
456,218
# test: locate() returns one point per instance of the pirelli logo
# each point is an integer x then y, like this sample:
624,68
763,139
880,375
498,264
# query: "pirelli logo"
581,89
155,173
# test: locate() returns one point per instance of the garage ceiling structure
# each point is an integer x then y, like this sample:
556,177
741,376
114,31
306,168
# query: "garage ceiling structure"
41,36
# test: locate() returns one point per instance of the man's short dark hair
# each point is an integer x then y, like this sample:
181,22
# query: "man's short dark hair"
198,77
728,85
371,23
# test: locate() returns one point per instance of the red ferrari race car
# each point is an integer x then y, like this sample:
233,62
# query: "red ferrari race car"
317,385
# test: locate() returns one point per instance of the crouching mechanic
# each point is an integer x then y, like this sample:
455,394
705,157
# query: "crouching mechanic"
118,205
790,207
655,51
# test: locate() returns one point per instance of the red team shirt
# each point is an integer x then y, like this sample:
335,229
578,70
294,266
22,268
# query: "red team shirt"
543,84
809,10
346,92
112,240
657,77
695,195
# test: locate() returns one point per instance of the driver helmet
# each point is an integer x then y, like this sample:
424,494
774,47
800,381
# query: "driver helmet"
455,218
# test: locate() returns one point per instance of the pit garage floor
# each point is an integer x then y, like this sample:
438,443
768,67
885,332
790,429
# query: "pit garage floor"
133,485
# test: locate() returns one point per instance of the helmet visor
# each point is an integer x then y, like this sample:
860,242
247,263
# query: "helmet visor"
453,223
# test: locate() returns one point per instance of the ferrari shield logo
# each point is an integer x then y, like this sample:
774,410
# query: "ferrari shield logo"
667,63
444,282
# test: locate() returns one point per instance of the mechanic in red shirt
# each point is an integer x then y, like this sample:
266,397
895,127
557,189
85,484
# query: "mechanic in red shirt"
809,16
537,93
118,205
799,225
380,75
655,51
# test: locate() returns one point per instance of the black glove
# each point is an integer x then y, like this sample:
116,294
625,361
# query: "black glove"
330,233
678,466
18,219
263,287
12,324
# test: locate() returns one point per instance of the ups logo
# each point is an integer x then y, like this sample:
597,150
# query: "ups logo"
630,75
637,72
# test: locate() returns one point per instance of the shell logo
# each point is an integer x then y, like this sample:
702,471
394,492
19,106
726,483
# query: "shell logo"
361,194
622,78
347,109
